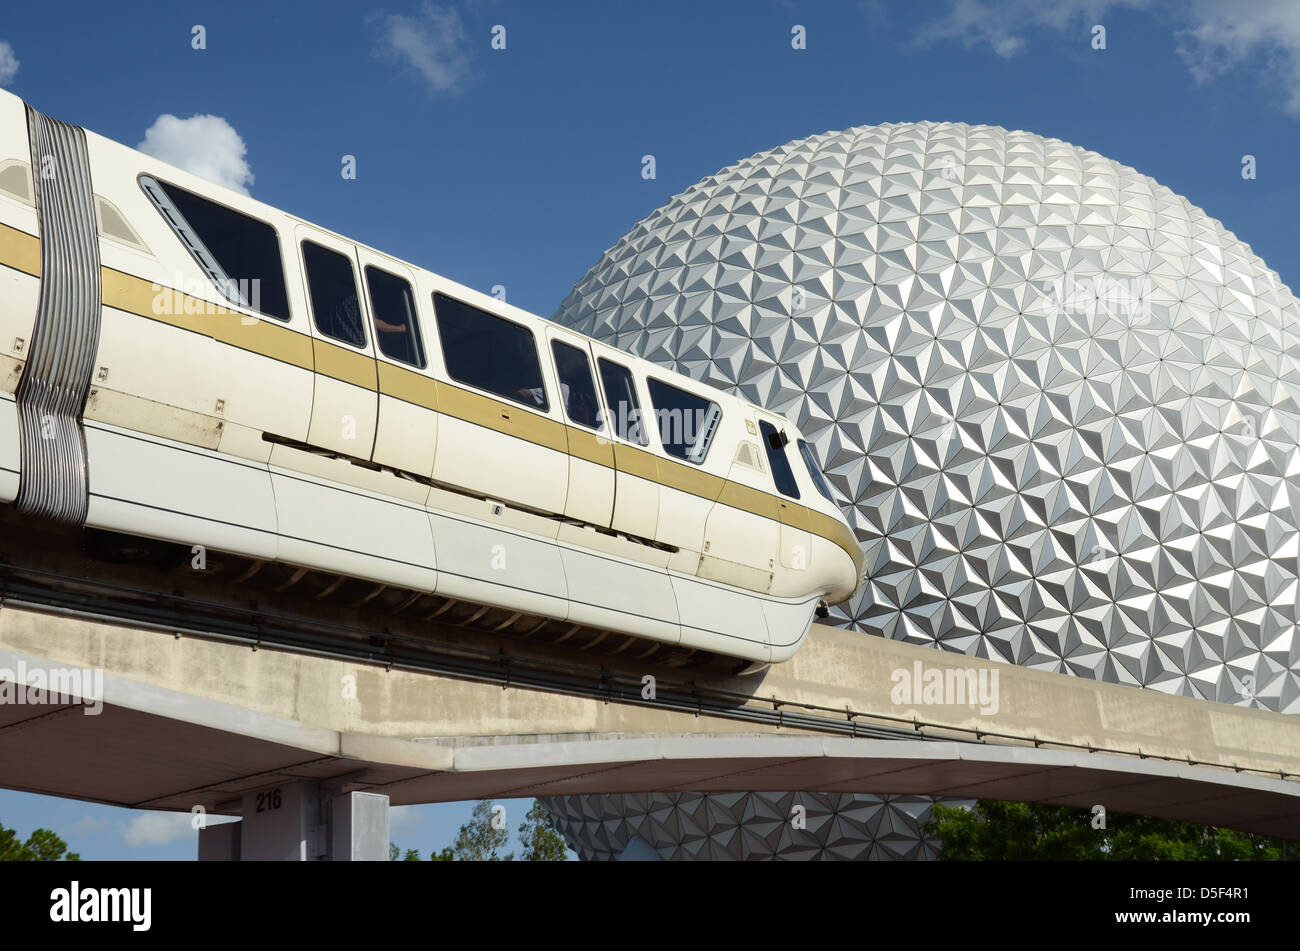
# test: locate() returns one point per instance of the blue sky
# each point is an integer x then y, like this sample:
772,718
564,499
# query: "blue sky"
521,166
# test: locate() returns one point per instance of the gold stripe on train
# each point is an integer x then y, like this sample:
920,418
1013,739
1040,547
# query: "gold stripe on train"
408,386
262,335
20,250
503,417
584,444
346,365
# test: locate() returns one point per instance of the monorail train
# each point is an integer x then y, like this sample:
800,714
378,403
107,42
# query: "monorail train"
181,362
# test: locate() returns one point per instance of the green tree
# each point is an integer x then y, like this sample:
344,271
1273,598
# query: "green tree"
542,841
1015,831
480,840
41,846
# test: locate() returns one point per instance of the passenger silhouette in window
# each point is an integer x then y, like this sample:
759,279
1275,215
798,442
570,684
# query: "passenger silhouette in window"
347,318
579,407
537,394
489,352
397,330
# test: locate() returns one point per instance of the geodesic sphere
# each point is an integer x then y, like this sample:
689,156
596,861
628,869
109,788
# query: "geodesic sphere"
1057,400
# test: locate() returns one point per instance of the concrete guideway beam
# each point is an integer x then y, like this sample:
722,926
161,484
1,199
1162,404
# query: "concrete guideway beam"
191,722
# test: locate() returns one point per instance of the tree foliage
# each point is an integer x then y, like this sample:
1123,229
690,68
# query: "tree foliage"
542,841
1015,831
41,846
480,841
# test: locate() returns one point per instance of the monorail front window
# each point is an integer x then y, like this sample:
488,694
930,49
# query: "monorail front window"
775,442
815,470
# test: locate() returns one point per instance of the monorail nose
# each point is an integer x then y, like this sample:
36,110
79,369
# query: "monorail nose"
848,573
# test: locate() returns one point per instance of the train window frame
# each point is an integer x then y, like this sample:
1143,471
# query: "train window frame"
544,407
203,256
815,470
768,434
638,425
311,293
698,451
414,334
556,343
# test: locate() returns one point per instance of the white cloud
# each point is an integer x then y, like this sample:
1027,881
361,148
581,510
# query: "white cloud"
158,828
88,825
1003,26
8,63
208,146
432,43
1264,33
1213,38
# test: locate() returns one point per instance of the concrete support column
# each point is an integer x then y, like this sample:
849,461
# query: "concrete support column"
302,822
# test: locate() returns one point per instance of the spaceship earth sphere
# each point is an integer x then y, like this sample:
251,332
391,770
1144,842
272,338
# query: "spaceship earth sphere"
1057,401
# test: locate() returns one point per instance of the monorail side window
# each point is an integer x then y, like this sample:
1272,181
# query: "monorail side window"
815,470
774,442
624,407
489,352
334,303
577,388
686,422
393,306
241,255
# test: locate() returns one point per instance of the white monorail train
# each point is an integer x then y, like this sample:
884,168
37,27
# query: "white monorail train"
181,362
